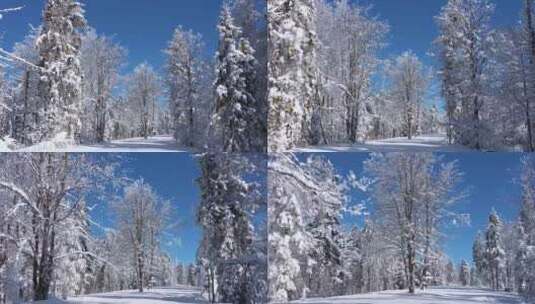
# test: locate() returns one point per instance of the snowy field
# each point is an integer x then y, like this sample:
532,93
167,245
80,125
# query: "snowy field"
431,296
180,295
152,144
425,143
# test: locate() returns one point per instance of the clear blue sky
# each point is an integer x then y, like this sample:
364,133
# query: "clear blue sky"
142,26
173,177
491,180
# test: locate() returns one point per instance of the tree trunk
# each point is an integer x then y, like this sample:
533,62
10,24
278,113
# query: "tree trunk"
411,255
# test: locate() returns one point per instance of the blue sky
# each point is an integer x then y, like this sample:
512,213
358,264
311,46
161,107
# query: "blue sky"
173,177
412,24
491,180
142,26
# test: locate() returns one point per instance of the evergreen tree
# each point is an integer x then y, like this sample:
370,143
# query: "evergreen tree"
464,273
191,275
494,252
60,86
293,73
237,112
480,261
451,276
228,201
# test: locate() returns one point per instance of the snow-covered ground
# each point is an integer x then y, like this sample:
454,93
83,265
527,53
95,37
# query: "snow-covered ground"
424,143
431,296
180,295
152,144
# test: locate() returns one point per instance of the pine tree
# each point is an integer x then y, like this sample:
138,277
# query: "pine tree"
292,70
191,275
288,238
60,86
464,273
494,252
237,113
480,261
227,201
451,276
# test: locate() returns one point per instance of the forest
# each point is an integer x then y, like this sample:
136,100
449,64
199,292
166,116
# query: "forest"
53,246
324,244
331,83
64,84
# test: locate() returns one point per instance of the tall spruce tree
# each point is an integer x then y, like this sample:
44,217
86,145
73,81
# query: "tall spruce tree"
292,70
236,113
494,252
60,86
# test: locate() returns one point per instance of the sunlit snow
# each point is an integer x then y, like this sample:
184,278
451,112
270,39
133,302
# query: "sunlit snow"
180,295
431,296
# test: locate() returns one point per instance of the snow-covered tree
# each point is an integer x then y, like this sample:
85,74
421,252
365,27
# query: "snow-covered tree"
310,253
181,274
183,81
101,59
192,274
143,91
480,262
409,86
250,16
451,273
47,219
141,217
413,194
292,71
288,238
465,43
237,111
229,201
464,273
60,72
349,42
494,252
26,101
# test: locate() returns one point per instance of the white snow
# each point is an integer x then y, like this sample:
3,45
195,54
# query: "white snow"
180,295
424,143
431,296
161,143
